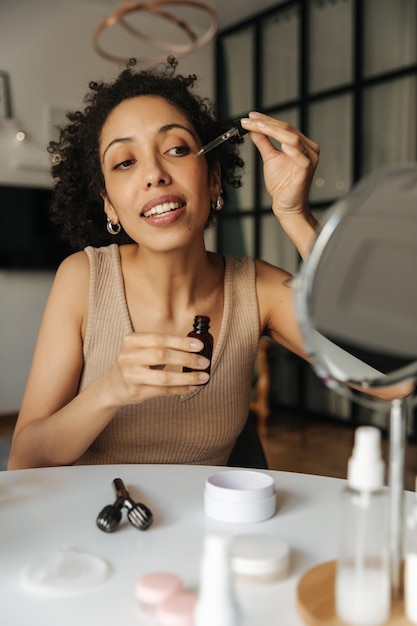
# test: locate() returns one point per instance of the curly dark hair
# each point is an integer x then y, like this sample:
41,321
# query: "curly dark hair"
76,207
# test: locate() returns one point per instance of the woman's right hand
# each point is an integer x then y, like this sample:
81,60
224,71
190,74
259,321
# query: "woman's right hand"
151,365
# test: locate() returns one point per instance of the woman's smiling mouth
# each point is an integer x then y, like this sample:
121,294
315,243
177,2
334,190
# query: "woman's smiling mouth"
164,207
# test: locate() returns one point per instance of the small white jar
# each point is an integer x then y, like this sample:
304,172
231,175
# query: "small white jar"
259,559
240,496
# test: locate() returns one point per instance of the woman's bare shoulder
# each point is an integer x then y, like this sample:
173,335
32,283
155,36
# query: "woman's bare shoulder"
267,273
71,282
73,268
78,261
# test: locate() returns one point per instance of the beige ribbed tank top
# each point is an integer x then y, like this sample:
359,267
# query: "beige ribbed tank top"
199,427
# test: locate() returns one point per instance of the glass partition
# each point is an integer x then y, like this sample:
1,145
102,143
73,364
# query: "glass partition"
389,128
280,54
330,125
342,71
237,86
389,40
331,41
277,249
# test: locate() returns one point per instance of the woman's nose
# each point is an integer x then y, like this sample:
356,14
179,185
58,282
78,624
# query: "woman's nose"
155,174
154,182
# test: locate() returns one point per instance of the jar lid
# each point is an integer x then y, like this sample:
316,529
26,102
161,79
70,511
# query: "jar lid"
260,555
240,485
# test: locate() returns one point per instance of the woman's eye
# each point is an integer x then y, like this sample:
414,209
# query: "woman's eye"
178,151
124,164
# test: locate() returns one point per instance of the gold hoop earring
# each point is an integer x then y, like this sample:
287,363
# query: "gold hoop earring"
113,229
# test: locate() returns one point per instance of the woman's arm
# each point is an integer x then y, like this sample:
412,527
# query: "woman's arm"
288,173
279,321
56,424
276,307
55,373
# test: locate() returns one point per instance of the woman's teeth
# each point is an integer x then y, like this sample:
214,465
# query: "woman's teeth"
166,207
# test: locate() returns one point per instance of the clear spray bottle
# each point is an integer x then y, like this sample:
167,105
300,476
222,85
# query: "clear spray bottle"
410,573
363,589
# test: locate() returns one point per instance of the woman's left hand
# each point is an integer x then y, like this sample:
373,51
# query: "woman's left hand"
288,171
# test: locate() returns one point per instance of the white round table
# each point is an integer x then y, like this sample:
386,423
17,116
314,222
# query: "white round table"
43,510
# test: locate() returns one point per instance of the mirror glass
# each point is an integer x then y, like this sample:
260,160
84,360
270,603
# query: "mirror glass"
356,293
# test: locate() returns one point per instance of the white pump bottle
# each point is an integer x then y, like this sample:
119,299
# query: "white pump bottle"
363,590
216,603
410,576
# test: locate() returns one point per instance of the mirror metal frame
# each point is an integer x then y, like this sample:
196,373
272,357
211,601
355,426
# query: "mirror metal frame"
303,284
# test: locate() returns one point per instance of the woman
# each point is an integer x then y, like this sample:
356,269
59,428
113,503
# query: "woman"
107,383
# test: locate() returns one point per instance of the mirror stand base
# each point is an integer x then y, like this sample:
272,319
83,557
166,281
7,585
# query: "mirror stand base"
316,603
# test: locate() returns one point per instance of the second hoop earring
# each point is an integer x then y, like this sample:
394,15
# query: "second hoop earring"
217,205
113,229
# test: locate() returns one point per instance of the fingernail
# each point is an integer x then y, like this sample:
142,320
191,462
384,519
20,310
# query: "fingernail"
203,376
196,345
203,362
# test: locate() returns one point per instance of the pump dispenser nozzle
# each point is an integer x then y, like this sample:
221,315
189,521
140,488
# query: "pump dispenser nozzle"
366,466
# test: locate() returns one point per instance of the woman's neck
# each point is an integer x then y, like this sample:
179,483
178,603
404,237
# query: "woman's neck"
174,285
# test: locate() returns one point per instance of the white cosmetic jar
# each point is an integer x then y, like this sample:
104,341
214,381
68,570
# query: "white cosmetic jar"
240,496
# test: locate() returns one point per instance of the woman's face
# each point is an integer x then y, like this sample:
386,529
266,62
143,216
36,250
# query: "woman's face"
155,185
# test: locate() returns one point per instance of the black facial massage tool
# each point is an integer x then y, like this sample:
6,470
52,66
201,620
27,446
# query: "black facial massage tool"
137,513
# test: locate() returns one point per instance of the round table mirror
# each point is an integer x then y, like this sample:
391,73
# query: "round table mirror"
356,303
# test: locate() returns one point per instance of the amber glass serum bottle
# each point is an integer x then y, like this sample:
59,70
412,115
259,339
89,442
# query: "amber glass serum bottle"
201,331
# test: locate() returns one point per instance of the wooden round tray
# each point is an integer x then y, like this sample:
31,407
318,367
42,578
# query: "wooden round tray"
315,599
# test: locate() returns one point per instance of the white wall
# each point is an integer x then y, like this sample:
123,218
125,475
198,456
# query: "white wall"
21,313
45,47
